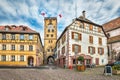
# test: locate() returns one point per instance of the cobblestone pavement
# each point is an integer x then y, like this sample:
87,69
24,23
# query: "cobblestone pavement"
54,74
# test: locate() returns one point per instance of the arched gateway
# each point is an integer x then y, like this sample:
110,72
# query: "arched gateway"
50,60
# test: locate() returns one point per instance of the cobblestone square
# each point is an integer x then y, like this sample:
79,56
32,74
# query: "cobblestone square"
54,74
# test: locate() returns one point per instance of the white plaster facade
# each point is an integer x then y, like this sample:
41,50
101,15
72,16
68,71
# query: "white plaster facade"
85,32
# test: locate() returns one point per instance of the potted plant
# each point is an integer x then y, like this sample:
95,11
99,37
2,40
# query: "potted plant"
116,69
80,65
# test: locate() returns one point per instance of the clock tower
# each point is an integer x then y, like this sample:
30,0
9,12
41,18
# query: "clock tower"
50,38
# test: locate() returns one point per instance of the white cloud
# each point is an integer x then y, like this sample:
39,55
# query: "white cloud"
98,11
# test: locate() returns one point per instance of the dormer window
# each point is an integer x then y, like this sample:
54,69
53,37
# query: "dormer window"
6,28
13,26
24,28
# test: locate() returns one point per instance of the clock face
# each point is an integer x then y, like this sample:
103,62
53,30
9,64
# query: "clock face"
50,26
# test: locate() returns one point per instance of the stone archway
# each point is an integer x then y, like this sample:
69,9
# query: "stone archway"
30,61
50,60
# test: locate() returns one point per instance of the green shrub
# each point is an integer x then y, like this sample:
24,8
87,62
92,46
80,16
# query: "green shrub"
80,58
116,67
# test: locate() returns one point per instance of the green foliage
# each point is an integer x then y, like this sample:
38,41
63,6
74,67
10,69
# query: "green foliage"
116,67
80,58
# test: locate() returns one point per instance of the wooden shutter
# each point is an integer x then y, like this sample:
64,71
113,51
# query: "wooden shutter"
91,39
72,35
73,49
102,50
94,50
99,30
91,27
80,37
79,48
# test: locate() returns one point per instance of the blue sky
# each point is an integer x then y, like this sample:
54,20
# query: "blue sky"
28,12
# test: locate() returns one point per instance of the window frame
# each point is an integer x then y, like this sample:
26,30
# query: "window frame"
22,37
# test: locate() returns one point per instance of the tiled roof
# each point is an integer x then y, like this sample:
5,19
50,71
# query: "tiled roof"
114,39
113,24
81,18
14,28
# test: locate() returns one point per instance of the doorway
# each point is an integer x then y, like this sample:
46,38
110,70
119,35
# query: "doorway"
30,61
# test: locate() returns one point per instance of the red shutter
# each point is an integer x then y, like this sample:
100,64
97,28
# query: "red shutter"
91,27
94,50
79,48
73,48
79,36
72,35
91,39
102,50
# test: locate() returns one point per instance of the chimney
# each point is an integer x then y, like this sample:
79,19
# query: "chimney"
83,14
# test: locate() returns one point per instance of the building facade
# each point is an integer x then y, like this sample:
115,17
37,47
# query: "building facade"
50,37
112,29
82,38
20,46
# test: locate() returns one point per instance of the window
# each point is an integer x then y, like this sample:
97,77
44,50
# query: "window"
74,61
3,57
3,36
58,53
48,30
100,51
58,44
88,61
76,36
91,50
76,48
21,47
13,58
30,48
63,50
30,37
87,26
3,47
52,30
12,47
52,50
90,39
81,25
100,41
13,36
22,58
95,28
63,39
22,37
51,35
47,35
6,28
48,50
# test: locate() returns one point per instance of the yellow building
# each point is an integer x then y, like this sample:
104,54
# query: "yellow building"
20,46
50,37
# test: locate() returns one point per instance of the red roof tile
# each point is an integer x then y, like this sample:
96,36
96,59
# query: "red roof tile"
113,24
14,28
